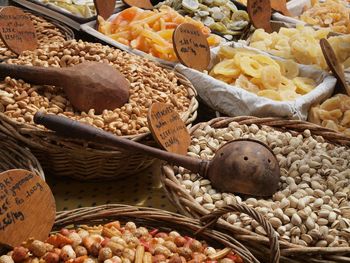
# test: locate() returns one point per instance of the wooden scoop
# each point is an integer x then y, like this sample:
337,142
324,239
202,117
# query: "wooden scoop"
241,166
89,85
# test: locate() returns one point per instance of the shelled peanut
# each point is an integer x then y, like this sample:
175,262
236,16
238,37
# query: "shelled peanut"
112,243
149,83
46,33
312,206
334,113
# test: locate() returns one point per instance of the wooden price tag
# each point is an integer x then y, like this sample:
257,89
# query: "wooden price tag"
191,46
280,6
260,14
27,207
104,8
144,4
334,66
168,129
17,30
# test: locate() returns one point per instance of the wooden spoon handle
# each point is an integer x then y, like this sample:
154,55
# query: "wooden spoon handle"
34,75
74,129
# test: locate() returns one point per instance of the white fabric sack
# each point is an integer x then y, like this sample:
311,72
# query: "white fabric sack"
234,101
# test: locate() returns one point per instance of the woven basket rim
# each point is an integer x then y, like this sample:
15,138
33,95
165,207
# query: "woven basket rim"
19,156
100,214
49,141
186,204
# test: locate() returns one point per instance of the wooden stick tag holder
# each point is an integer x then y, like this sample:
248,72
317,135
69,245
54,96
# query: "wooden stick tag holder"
334,66
27,207
168,129
17,30
260,12
191,46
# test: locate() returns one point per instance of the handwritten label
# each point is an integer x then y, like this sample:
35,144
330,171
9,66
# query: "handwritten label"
168,129
191,46
334,65
144,4
27,207
260,14
17,30
104,8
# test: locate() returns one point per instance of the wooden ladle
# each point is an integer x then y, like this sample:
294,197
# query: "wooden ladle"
240,166
89,85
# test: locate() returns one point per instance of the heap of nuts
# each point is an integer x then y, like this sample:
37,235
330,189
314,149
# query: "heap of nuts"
112,243
312,206
149,83
46,33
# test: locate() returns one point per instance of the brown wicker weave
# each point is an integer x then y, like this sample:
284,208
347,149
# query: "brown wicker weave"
150,217
85,161
13,156
258,244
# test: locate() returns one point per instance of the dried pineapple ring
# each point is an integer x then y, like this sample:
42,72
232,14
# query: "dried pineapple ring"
288,95
249,66
271,94
304,85
287,84
227,68
265,60
243,82
270,77
290,68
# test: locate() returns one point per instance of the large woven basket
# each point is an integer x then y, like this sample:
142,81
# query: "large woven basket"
82,160
258,244
14,156
160,219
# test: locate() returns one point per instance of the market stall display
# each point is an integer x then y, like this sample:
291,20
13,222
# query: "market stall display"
143,235
149,83
150,31
310,209
222,17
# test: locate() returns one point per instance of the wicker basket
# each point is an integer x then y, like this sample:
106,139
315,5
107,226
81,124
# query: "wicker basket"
155,218
13,156
85,161
186,204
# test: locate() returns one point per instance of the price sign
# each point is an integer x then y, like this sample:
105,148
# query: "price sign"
191,46
17,30
280,6
104,8
168,129
144,4
260,14
334,65
27,207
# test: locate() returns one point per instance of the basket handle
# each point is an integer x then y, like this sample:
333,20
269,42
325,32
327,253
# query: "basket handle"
213,217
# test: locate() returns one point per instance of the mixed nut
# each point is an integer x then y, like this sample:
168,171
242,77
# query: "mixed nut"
312,207
149,83
113,243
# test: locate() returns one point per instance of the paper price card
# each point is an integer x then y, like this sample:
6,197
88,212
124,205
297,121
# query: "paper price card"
168,128
191,46
27,207
260,14
17,30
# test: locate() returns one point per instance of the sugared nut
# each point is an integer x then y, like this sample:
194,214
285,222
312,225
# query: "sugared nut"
67,253
19,254
80,251
6,259
51,257
105,253
38,248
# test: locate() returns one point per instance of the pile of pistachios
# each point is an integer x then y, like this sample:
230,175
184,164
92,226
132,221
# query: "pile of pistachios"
221,16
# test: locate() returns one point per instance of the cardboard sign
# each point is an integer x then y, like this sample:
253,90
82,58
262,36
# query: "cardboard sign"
334,65
168,129
17,30
191,46
104,8
260,12
280,6
27,207
144,4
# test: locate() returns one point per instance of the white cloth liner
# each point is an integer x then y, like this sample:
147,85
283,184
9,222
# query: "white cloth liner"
235,101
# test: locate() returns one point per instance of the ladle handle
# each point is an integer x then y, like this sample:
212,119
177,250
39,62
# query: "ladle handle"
34,75
74,129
